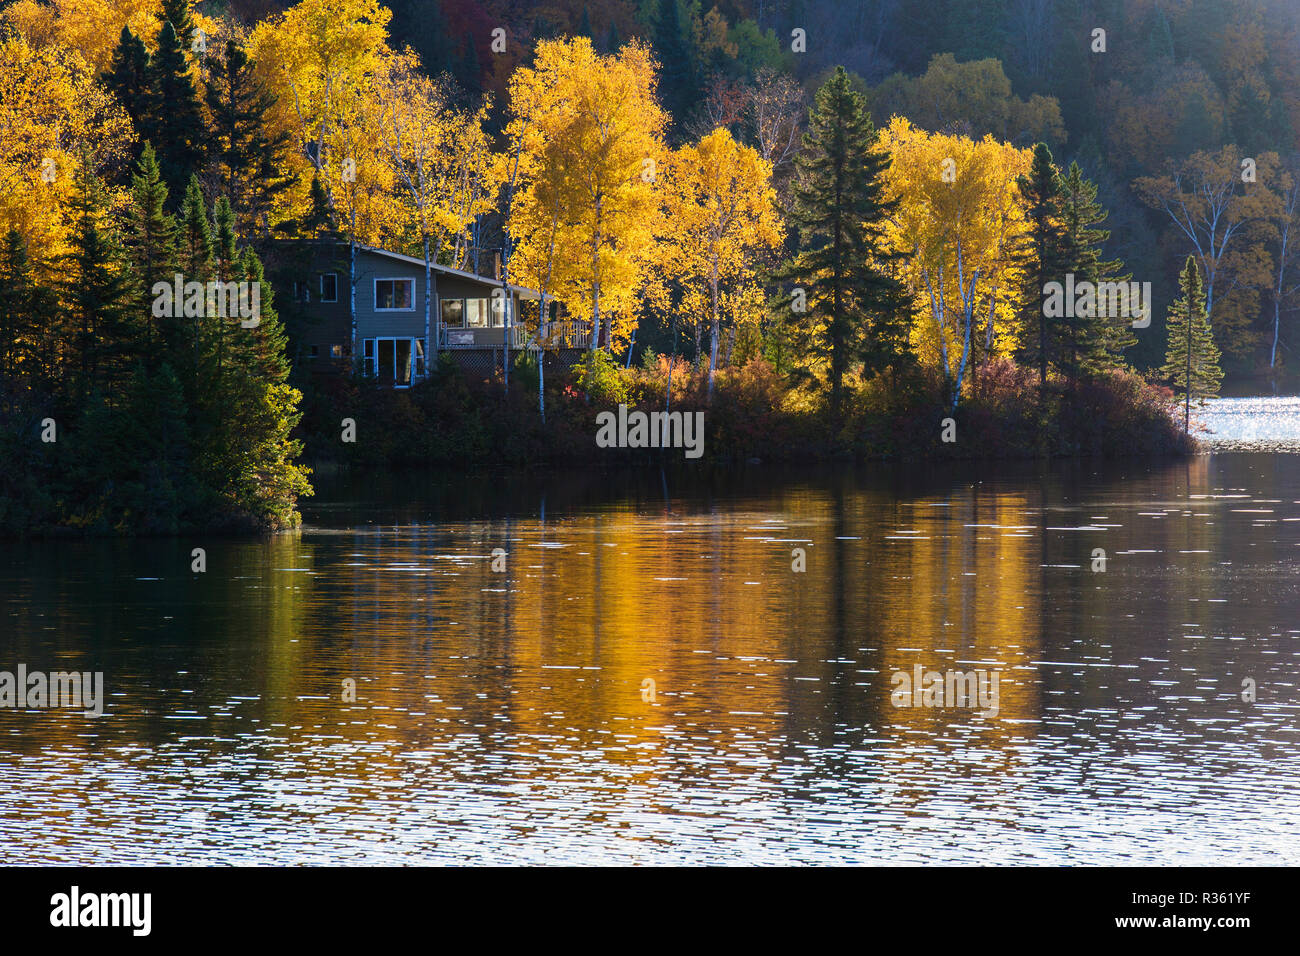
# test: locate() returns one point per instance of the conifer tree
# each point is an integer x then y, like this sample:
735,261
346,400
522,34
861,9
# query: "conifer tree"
28,316
248,158
1094,342
674,51
1043,251
194,254
128,75
151,237
173,121
177,13
1191,357
853,309
97,294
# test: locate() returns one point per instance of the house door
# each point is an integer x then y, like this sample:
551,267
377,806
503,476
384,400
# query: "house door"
394,361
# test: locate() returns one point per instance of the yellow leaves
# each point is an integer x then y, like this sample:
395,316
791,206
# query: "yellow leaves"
91,27
320,58
959,217
588,133
50,108
720,212
441,161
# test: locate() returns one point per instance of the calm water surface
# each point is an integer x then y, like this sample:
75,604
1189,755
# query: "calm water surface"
499,716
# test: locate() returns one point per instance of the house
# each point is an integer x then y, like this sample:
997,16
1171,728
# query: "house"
467,316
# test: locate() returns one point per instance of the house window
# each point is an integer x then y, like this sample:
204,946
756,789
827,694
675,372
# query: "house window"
497,307
396,362
336,351
301,291
476,313
329,287
453,313
312,351
394,295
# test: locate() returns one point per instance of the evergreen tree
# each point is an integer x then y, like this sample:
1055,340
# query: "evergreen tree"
1043,250
28,315
97,294
612,40
194,255
173,121
584,24
1191,357
1093,342
247,157
151,236
128,75
177,13
320,216
854,310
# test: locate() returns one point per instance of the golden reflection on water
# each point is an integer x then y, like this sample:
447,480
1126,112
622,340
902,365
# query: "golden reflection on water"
499,713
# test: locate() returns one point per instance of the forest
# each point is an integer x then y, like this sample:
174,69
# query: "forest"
832,225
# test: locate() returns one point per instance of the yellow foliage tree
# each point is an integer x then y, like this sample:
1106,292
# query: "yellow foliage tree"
959,219
50,110
442,167
720,210
588,134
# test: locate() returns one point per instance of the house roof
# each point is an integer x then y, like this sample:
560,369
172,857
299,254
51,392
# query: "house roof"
446,270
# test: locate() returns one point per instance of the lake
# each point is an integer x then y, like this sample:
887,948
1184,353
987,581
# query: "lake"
387,687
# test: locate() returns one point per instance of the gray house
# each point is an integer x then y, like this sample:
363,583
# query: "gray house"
467,315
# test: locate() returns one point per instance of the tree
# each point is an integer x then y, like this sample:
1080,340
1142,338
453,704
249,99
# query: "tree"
596,118
1044,245
676,55
248,152
1226,221
128,75
102,334
442,167
1191,358
151,232
173,121
962,220
720,212
854,308
1094,342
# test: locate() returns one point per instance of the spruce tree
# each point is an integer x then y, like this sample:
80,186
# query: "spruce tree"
173,121
853,310
151,239
177,13
97,294
128,75
248,158
194,255
1042,251
1191,357
1094,342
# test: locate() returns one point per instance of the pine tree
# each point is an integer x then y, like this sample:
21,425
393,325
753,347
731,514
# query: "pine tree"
584,24
1191,357
173,121
1042,251
1094,342
19,319
247,157
612,40
421,25
151,236
128,75
854,310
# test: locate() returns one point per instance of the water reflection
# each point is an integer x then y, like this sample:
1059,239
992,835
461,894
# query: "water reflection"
499,715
